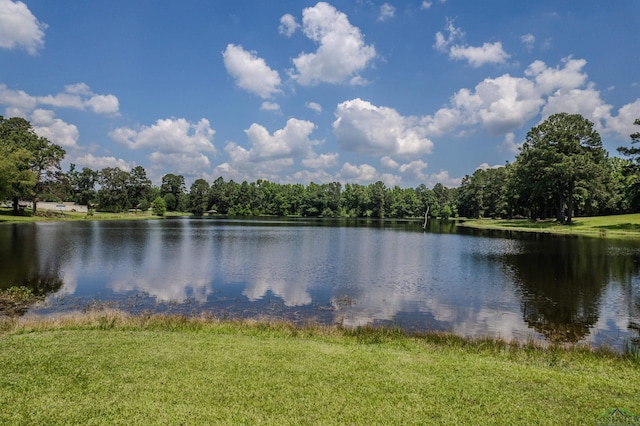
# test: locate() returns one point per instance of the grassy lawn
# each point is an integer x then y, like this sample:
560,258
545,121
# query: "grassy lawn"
107,368
627,225
6,216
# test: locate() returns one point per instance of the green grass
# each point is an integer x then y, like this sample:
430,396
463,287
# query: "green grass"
108,368
6,216
627,225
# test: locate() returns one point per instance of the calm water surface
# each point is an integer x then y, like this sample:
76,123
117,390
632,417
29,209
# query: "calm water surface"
353,273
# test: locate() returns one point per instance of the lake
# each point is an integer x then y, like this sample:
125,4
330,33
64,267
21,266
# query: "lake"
350,272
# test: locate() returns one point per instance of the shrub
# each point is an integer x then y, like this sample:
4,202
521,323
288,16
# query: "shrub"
159,206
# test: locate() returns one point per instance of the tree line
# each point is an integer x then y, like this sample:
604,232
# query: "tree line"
562,171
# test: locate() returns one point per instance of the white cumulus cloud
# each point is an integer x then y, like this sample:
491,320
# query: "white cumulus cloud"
98,163
443,121
444,42
314,106
443,178
547,80
271,154
488,53
291,141
500,104
18,102
307,176
586,102
169,136
505,103
245,166
78,89
391,180
54,129
389,163
103,104
363,127
76,96
510,144
250,72
476,56
62,100
486,166
188,164
270,106
288,25
321,161
363,173
19,28
622,124
342,52
414,170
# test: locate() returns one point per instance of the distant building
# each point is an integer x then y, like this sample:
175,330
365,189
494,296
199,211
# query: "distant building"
63,207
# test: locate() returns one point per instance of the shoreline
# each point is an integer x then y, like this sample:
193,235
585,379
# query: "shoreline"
52,216
615,226
119,319
20,304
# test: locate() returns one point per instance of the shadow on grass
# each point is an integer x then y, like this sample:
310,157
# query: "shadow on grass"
10,213
545,224
622,227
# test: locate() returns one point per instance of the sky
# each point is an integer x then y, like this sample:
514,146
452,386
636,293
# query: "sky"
293,91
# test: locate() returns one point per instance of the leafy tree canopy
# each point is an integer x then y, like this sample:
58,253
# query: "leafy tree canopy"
29,164
557,155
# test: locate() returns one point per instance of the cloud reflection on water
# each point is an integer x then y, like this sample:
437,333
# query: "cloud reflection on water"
421,281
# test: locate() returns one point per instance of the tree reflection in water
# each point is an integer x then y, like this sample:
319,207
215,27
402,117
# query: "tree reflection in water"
15,302
22,265
561,283
634,316
567,289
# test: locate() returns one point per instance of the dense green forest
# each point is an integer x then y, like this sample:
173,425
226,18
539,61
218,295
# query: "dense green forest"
562,171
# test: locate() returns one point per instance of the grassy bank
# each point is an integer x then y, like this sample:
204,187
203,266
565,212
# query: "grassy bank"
6,216
108,368
627,225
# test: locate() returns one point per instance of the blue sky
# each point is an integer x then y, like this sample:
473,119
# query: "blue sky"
406,92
